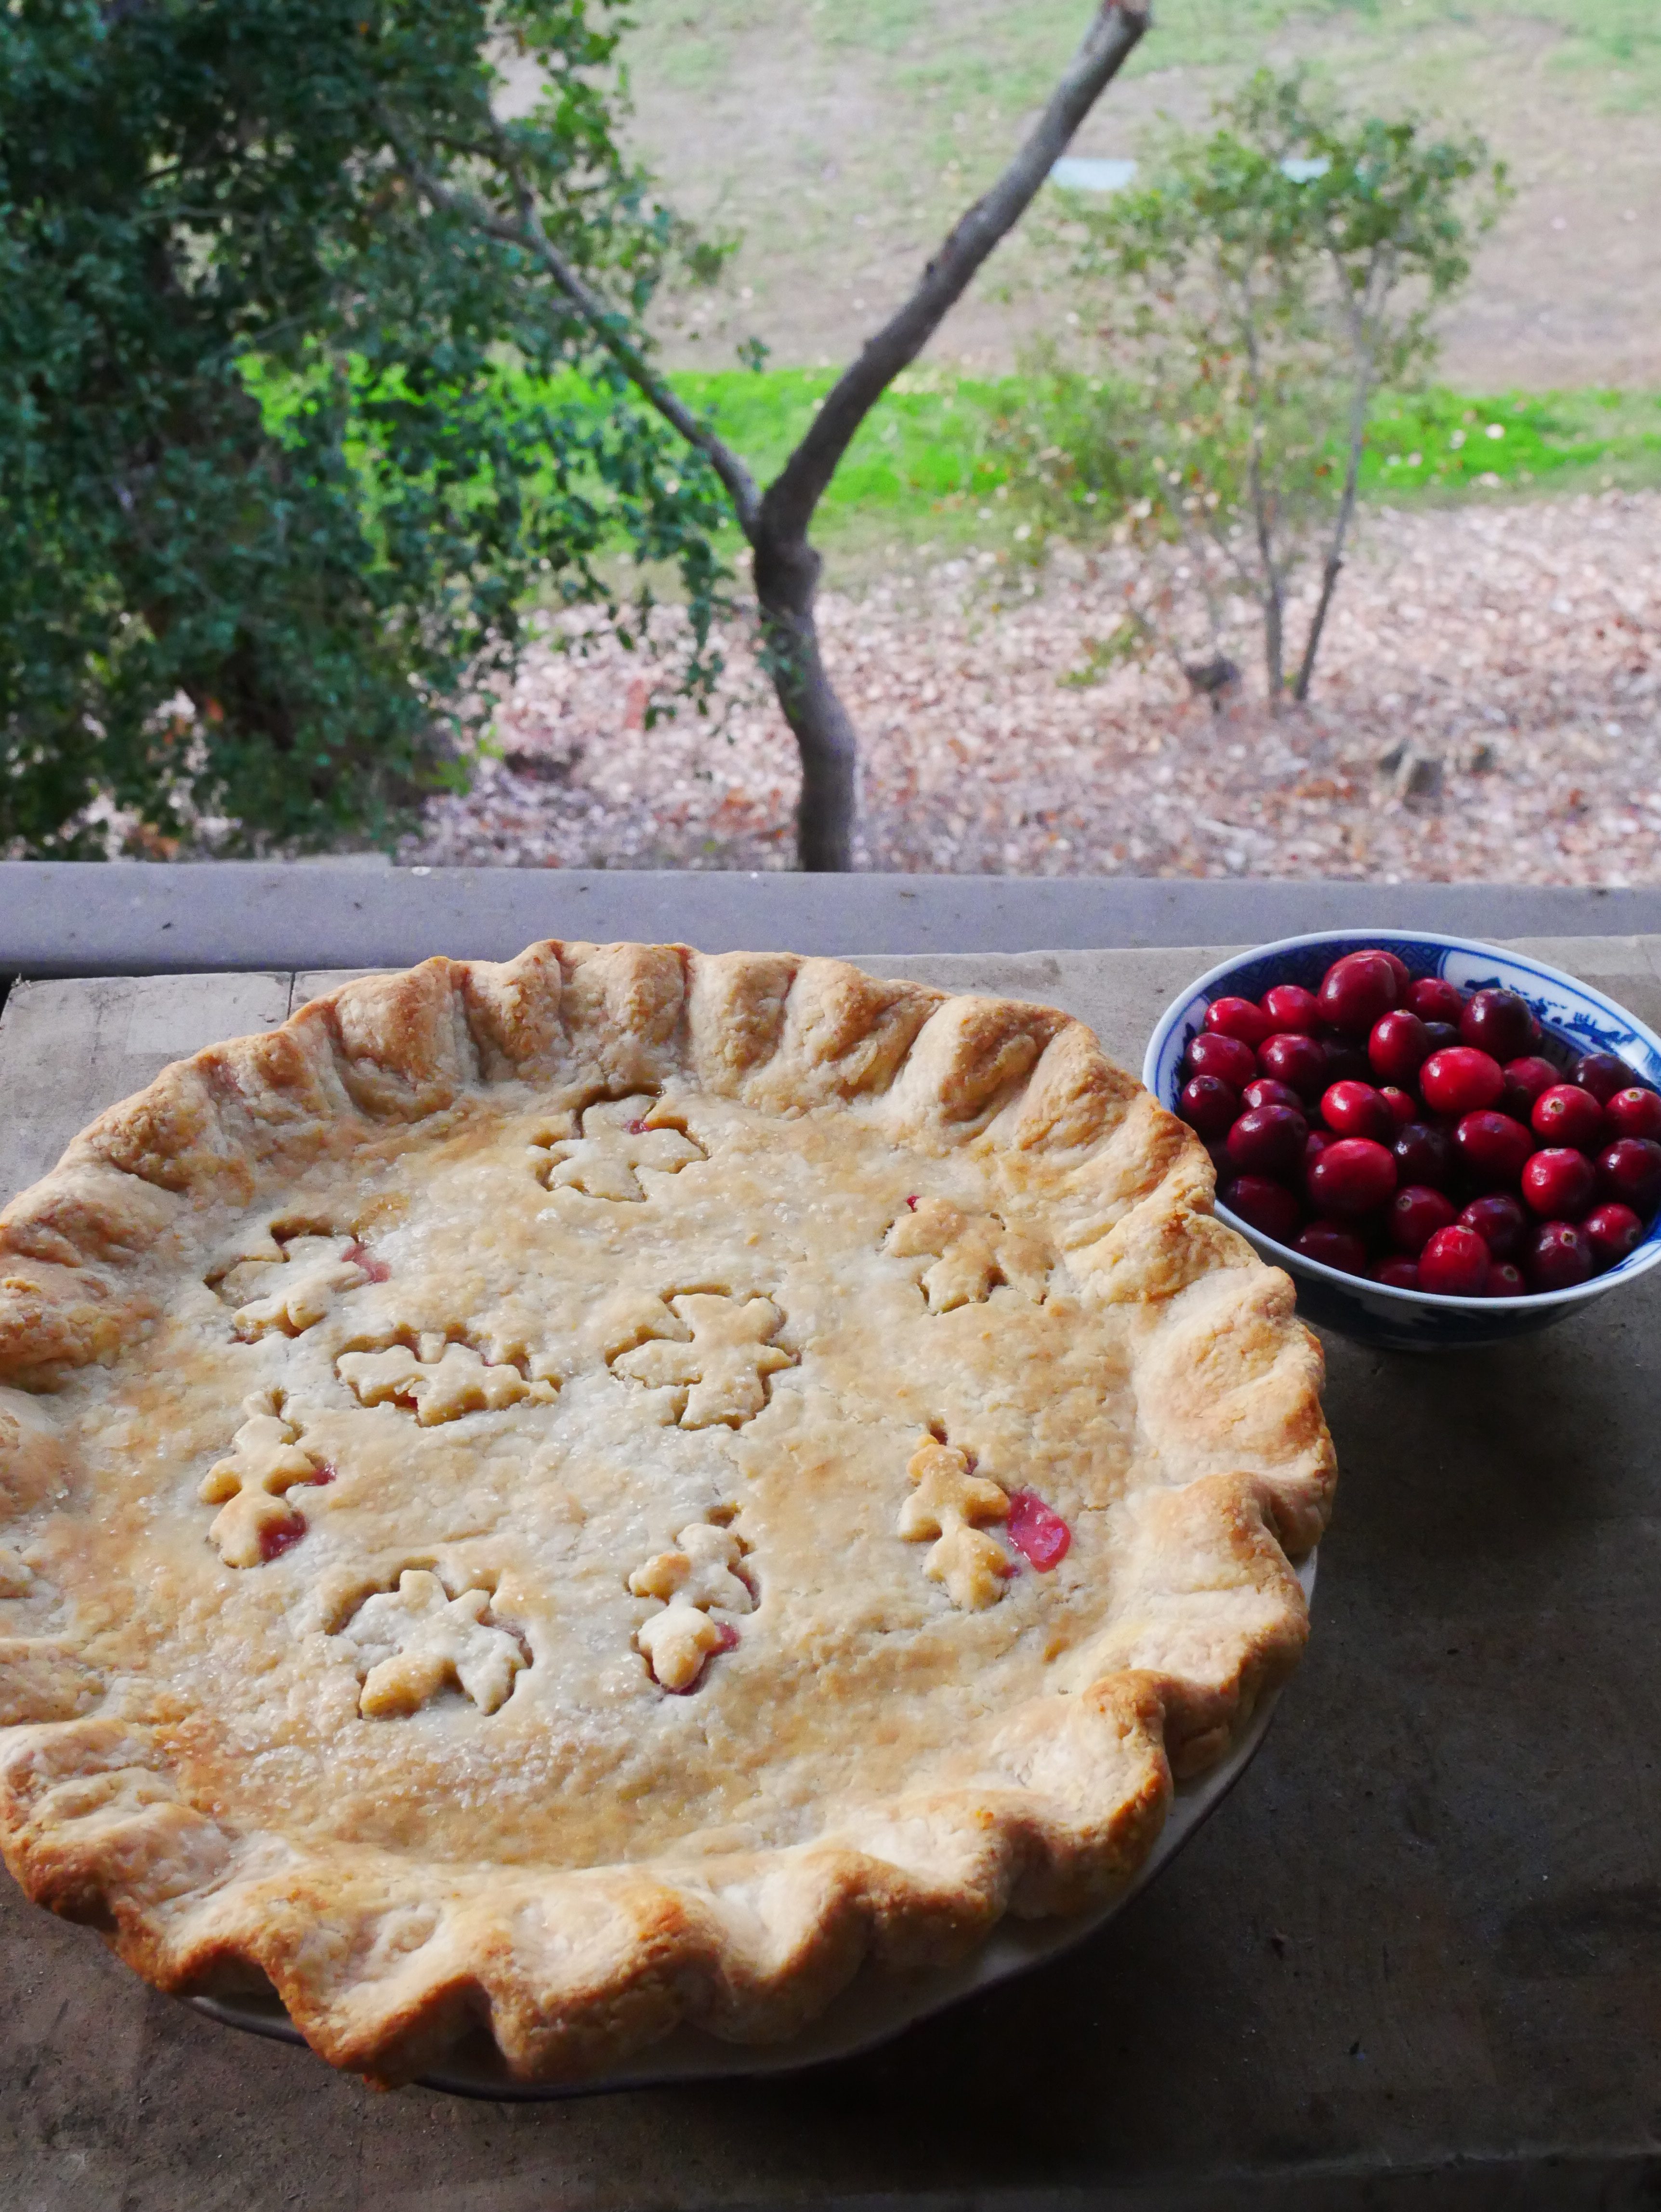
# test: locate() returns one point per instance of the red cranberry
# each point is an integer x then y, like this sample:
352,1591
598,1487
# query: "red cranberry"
1441,1035
1398,1046
1315,1144
1289,1006
1265,1090
1269,1206
1356,990
1036,1530
1631,1171
1217,1152
1351,1176
1612,1230
1355,1110
1496,1022
1558,1257
1525,1080
1417,1213
1403,1107
1457,1081
1433,999
1602,1074
1297,1060
1268,1140
1211,1054
1634,1113
1208,1104
1334,1247
1401,1274
1492,1150
1424,1153
1454,1264
1239,1017
1559,1183
1566,1115
1506,1280
1499,1220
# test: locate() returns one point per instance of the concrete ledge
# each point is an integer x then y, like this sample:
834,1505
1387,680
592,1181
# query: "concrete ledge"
131,918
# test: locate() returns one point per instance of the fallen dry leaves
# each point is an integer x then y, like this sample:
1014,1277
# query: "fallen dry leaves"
1503,663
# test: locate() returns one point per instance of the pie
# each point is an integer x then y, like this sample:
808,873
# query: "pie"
560,1498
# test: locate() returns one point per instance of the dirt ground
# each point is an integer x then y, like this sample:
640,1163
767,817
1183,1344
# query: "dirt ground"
837,141
1489,706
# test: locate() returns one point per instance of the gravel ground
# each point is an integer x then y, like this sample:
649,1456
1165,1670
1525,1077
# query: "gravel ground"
1489,706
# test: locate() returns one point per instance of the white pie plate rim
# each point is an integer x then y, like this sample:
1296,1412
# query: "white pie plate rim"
871,2010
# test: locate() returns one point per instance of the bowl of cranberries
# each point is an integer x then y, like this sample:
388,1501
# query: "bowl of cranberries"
1444,1142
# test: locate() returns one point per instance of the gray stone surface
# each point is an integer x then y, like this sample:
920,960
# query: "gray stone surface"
132,918
1414,1961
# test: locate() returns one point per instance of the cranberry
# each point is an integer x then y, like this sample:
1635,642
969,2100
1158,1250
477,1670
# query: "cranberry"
1036,1530
1506,1280
1403,1107
1566,1115
1612,1230
1347,1063
1351,1176
1602,1074
1401,1274
1491,1148
1357,989
1355,1110
1208,1104
1239,1017
1217,1152
1417,1213
1525,1080
1297,1060
1435,999
1558,1257
279,1536
1443,1036
1631,1171
1289,1006
1334,1247
1398,1046
1499,1220
1268,1140
1269,1206
1457,1081
1424,1153
1559,1183
1315,1144
1454,1264
1634,1113
1265,1090
1496,1022
1211,1054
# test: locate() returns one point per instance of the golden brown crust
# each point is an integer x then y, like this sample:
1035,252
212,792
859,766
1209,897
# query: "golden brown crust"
1073,1190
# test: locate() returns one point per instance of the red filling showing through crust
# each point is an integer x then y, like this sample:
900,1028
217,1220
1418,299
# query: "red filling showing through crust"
282,1537
361,1256
1036,1530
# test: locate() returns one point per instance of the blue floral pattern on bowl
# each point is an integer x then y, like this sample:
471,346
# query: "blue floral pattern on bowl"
1576,1018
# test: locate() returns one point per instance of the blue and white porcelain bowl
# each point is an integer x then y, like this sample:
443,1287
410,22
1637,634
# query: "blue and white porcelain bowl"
1580,1019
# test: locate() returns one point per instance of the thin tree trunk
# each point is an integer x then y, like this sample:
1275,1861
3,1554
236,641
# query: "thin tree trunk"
1360,398
786,584
786,568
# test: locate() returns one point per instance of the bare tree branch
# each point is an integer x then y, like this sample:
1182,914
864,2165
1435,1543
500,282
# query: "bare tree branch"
529,234
792,497
1364,335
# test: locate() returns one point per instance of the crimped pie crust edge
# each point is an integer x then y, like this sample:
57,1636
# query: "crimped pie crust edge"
572,1972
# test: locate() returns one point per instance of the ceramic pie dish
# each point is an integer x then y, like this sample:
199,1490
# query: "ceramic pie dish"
563,1500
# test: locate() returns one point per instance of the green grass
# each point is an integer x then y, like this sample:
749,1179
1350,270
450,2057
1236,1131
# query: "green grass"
921,462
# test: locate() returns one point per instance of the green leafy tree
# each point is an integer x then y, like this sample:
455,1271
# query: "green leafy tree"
286,449
1241,306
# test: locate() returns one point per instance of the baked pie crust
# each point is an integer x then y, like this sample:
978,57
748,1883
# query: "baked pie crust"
569,1497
